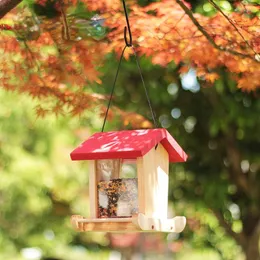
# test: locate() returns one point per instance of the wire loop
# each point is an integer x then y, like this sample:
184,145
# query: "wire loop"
127,28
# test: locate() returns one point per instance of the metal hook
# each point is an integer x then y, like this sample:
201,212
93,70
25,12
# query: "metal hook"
127,28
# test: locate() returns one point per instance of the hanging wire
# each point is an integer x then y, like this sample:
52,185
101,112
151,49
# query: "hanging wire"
128,43
113,88
145,89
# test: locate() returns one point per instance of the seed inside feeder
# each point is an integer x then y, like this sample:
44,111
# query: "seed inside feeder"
117,198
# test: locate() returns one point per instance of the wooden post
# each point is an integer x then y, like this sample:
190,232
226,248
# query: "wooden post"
93,189
153,180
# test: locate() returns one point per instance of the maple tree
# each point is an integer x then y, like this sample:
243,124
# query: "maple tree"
54,51
166,31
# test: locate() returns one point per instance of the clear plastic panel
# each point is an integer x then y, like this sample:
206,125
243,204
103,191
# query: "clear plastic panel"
117,197
108,169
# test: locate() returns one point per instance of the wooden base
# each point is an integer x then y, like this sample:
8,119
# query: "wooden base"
103,224
135,224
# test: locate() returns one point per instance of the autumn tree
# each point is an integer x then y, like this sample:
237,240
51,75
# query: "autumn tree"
56,51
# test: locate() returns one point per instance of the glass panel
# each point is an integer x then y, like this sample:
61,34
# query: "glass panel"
128,170
117,193
108,169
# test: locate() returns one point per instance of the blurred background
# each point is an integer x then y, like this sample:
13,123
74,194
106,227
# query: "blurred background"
217,189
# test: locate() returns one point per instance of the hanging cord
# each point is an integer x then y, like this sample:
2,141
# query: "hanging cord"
113,88
145,89
128,44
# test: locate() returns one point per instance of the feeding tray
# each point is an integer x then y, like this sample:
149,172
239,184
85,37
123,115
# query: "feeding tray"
128,181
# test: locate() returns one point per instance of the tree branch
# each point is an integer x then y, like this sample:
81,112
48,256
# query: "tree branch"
233,24
207,35
235,158
239,237
66,31
7,5
252,251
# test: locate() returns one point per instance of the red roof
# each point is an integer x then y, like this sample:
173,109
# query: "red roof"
128,144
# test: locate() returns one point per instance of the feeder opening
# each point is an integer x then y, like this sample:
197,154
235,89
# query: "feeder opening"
117,188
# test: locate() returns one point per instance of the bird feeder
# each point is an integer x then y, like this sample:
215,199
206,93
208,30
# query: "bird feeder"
128,181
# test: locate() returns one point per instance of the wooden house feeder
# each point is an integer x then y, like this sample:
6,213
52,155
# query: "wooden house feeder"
128,181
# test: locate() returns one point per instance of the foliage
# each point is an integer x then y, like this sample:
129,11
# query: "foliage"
39,186
61,47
